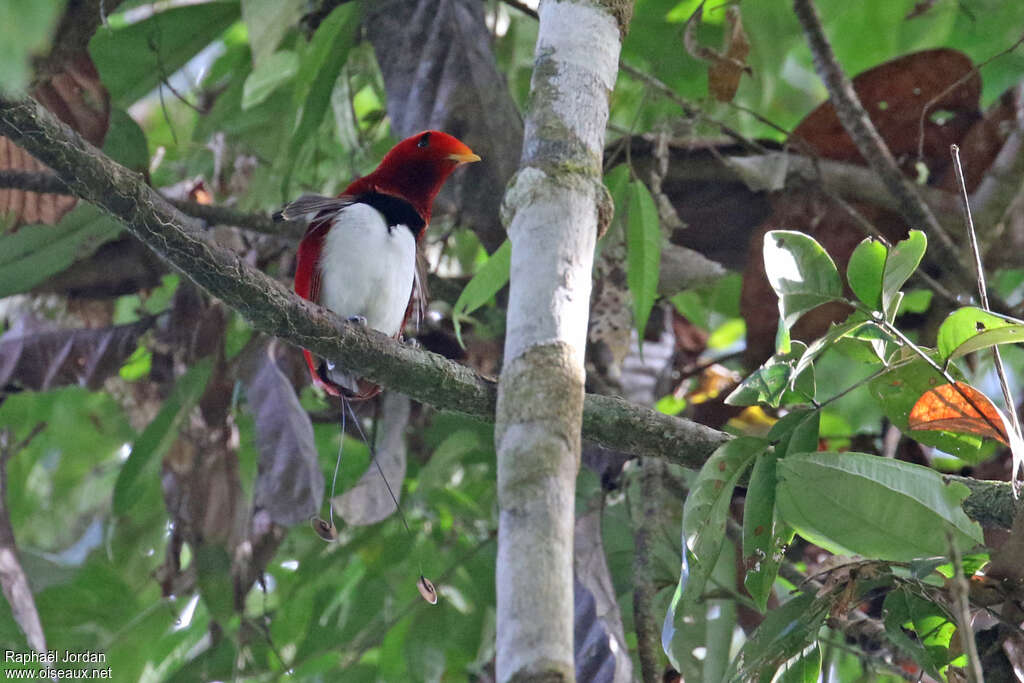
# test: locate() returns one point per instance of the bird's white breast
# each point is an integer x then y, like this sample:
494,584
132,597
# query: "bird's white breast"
367,269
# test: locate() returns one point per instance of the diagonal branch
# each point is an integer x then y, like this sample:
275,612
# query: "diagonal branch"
271,308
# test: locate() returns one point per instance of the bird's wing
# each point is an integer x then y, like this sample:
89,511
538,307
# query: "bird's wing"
310,206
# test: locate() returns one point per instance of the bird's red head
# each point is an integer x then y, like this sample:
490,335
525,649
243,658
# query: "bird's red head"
416,168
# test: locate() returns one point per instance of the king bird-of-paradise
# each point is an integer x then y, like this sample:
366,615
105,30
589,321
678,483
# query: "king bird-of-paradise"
358,257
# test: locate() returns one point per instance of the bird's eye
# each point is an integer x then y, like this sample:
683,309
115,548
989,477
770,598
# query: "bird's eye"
424,140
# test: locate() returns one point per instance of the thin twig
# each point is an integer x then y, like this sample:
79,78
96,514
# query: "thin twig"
976,70
961,591
689,109
523,7
48,183
1011,405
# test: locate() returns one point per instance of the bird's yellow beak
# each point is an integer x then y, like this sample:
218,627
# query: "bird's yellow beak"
466,158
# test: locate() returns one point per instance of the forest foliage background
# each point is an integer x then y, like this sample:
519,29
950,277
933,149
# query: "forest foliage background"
161,459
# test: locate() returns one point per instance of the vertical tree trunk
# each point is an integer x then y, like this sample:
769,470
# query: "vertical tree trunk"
554,209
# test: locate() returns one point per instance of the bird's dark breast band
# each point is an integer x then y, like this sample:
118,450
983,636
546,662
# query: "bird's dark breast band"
395,211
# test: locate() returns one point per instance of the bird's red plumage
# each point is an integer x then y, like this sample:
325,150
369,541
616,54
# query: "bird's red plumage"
413,171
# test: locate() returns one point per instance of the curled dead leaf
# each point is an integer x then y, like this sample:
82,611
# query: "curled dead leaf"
78,98
324,529
427,590
726,67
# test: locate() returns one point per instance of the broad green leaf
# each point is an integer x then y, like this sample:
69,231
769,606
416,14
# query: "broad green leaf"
796,432
268,76
860,504
704,520
784,633
865,270
158,437
35,252
213,574
770,383
126,142
268,21
133,59
761,557
901,263
904,611
320,64
492,275
916,301
643,253
801,273
970,329
28,30
899,389
804,668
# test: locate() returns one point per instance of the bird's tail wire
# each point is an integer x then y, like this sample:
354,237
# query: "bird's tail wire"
425,587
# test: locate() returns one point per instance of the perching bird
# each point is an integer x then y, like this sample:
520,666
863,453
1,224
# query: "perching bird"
358,257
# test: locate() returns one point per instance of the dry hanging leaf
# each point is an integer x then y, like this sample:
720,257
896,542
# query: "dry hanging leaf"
78,98
724,68
894,94
960,408
324,529
427,590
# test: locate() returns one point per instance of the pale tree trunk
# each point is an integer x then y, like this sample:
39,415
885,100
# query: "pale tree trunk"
553,209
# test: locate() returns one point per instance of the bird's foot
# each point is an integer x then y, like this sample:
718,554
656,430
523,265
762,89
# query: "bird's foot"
357,319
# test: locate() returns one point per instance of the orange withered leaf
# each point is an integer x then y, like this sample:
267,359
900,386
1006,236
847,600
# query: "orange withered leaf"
960,408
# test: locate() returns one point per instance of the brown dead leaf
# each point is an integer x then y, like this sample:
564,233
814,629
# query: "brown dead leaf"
961,409
894,95
78,98
726,67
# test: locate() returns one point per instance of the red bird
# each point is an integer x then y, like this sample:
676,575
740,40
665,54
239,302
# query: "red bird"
358,257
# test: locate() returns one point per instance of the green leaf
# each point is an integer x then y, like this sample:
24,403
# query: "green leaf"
268,76
320,64
268,21
704,519
804,668
905,611
643,253
860,504
28,29
801,273
35,252
901,263
865,271
761,554
213,573
158,436
899,389
492,275
770,383
133,59
784,633
970,329
126,143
